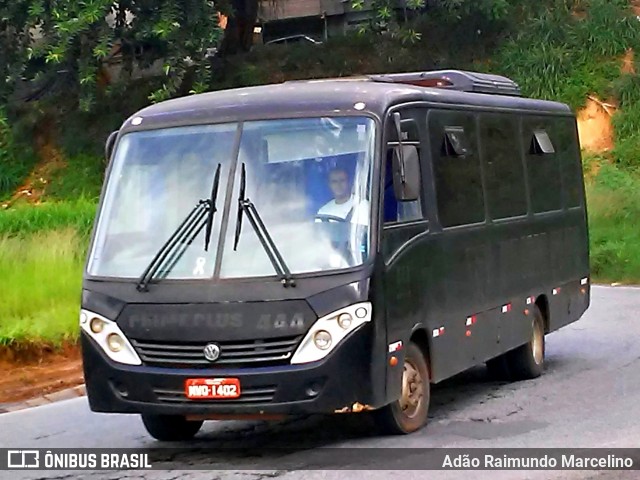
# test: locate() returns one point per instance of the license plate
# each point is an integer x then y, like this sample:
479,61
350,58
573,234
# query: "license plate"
212,388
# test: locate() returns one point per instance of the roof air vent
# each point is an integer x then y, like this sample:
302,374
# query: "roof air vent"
454,80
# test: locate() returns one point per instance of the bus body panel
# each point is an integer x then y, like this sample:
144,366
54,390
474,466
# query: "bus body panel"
341,380
471,289
157,330
463,293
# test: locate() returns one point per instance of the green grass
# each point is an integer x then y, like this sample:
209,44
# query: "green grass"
25,219
81,177
559,55
40,281
614,215
42,251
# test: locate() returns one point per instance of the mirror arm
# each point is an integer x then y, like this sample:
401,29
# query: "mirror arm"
398,123
110,143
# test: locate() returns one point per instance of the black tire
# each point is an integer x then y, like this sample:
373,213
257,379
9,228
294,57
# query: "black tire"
527,362
171,428
408,414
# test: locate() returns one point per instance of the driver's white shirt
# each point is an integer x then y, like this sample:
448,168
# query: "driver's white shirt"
342,210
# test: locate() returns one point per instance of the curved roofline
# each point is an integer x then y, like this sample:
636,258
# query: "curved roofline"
355,95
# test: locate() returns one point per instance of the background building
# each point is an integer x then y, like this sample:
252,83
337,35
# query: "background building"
319,19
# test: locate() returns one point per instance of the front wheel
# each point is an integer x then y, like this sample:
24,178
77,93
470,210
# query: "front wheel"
409,412
170,428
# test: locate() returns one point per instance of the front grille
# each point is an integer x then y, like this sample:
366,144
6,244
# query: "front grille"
247,395
244,353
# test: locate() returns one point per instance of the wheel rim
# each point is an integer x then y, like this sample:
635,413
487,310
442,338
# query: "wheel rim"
412,390
537,345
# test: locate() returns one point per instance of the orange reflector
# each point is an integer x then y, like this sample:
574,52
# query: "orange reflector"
583,291
468,333
526,311
393,361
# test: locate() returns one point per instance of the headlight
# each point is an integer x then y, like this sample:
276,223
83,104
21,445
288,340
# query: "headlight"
96,325
344,320
115,342
322,339
109,338
328,331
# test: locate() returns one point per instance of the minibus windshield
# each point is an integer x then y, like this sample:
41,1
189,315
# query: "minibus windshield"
310,179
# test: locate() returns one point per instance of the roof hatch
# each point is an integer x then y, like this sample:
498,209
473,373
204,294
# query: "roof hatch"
454,80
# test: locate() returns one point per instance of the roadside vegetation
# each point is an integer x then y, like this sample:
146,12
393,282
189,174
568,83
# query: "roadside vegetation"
614,212
42,252
40,285
51,164
23,221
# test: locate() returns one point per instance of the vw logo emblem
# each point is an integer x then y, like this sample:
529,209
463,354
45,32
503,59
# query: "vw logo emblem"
212,352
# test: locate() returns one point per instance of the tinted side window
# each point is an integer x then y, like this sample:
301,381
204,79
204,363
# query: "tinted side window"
506,194
456,168
569,156
543,165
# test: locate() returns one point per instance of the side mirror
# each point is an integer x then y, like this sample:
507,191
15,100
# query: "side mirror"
108,147
406,173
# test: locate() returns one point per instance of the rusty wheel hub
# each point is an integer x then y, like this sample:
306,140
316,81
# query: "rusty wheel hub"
412,390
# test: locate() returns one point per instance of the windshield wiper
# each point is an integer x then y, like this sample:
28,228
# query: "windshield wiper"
275,257
183,236
212,208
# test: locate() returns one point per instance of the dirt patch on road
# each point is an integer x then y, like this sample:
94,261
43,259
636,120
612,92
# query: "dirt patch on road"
28,371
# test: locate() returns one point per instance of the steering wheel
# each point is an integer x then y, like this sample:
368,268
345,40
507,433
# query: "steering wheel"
341,245
330,218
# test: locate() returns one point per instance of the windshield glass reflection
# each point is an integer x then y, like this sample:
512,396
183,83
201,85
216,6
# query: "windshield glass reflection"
310,182
309,179
156,179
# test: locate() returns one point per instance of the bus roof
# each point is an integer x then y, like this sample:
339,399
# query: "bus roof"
305,98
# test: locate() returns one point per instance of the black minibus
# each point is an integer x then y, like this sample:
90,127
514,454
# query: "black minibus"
330,246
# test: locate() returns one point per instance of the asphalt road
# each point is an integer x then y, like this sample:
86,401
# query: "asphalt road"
588,397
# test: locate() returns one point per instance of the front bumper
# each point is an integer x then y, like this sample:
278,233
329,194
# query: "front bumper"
338,381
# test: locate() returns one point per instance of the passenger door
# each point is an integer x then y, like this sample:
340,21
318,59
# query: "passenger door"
404,240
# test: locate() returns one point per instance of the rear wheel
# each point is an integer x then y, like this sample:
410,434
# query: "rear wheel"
527,361
170,428
409,412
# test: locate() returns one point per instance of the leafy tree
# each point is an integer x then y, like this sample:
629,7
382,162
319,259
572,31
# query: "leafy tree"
14,20
387,20
76,38
69,43
492,9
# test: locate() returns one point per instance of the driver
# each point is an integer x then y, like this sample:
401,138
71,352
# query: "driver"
345,205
